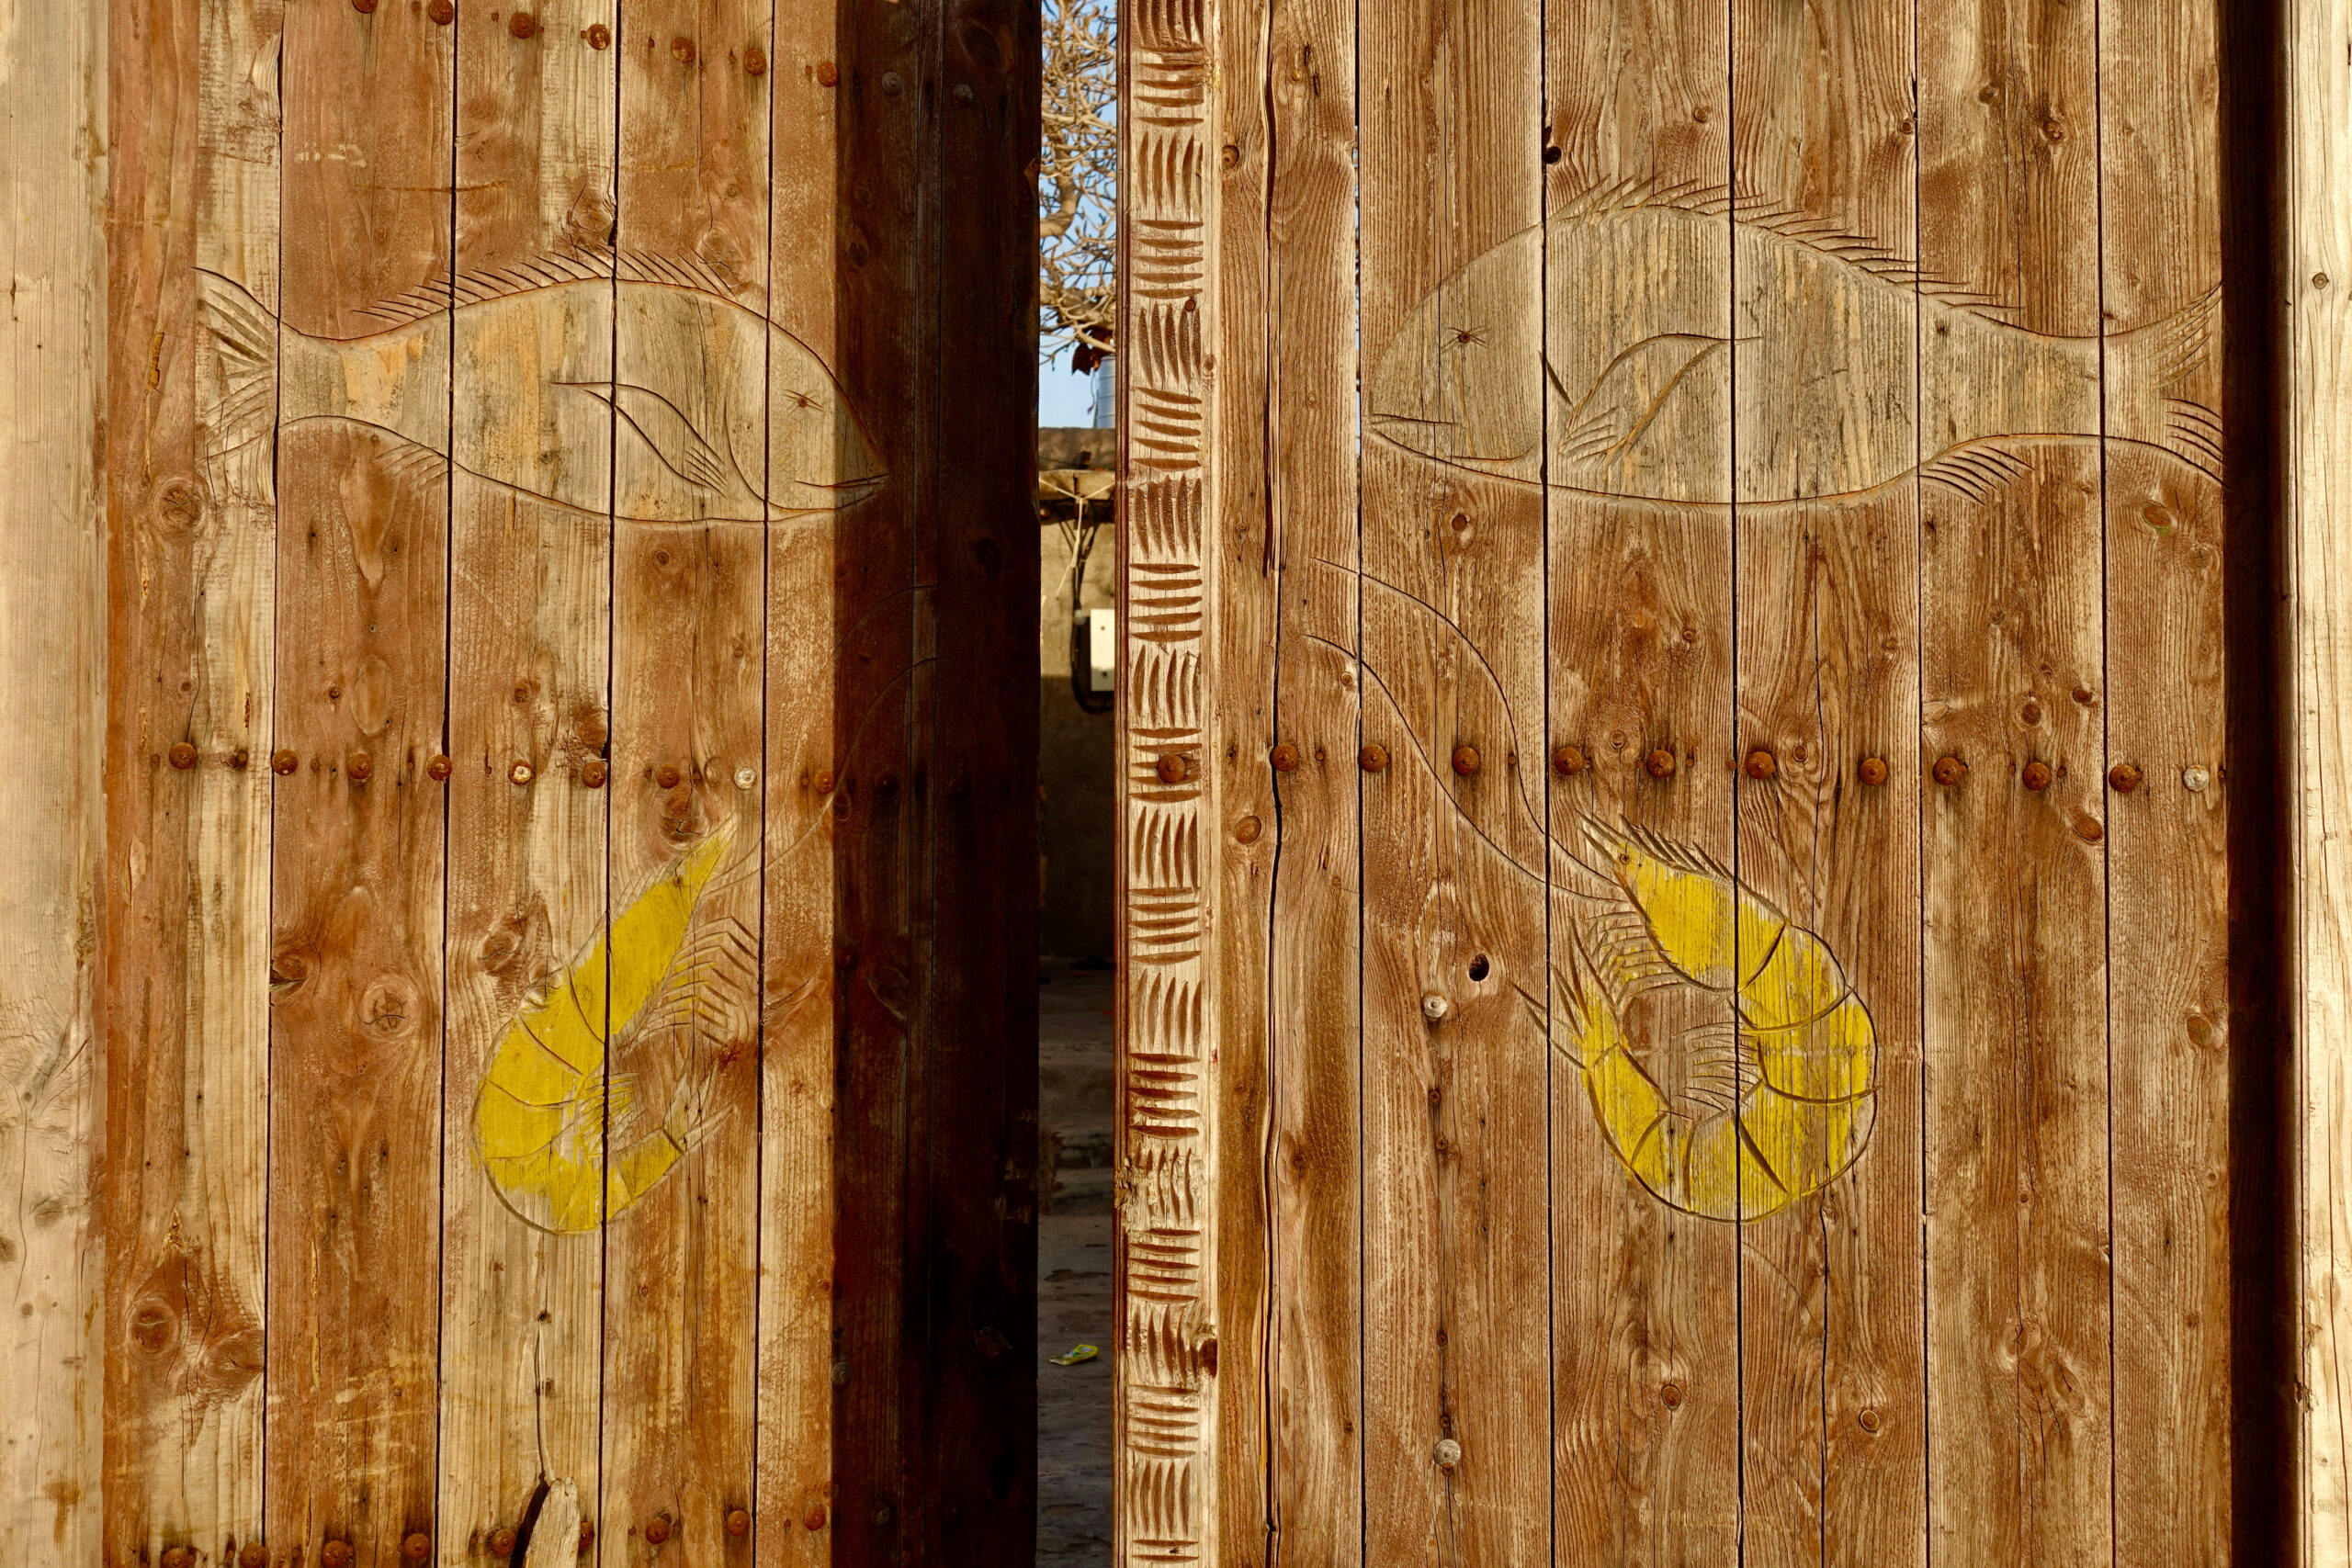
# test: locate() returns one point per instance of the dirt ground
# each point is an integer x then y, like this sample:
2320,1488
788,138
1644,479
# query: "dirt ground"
1075,1112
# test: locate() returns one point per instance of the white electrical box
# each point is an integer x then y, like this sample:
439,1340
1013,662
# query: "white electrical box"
1097,644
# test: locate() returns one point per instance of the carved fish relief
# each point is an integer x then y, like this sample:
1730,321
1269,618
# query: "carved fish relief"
1652,302
742,420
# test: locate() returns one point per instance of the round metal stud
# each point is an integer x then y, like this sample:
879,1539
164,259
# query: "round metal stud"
2123,778
1949,771
1566,761
182,755
2037,776
1761,764
1465,760
1660,764
1372,758
1872,770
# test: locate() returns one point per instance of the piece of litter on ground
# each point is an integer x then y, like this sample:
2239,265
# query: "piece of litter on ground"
1076,1354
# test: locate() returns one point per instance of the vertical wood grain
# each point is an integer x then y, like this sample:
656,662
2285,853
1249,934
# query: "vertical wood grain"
876,780
188,878
1644,1298
522,1336
2169,871
799,1004
1834,1428
55,384
2319,552
1308,557
1456,1270
688,643
1173,1091
2012,673
978,1472
1220,253
355,972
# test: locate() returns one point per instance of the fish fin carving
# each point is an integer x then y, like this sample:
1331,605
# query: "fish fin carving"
1715,199
409,463
242,406
2145,369
663,427
551,270
1977,469
1625,397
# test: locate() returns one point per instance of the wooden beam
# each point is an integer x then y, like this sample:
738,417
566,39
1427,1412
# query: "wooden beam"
53,394
2318,287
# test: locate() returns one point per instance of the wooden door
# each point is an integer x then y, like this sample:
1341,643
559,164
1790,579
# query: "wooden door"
566,1008
1680,698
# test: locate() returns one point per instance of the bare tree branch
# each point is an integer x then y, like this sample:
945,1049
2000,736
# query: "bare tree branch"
1077,181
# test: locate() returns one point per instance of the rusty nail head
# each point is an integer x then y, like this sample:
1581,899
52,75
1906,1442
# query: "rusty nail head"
667,776
1661,764
180,1557
1873,771
963,93
1950,770
283,762
587,1535
360,766
335,1553
2037,775
756,61
657,1529
2123,778
1465,760
591,772
182,755
1247,829
417,1547
2194,780
892,84
1670,1396
1285,757
1171,768
745,777
365,8
241,758
827,74
1868,1420
254,1555
1762,764
815,1517
1372,758
683,48
1447,1453
522,773
439,768
522,24
823,782
443,12
1566,761
737,1522
1435,1007
502,1542
599,36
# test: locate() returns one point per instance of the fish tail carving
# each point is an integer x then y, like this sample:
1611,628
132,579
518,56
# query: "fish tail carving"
2159,376
259,372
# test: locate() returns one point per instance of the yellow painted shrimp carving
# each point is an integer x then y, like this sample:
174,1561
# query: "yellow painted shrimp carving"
549,1106
1778,1099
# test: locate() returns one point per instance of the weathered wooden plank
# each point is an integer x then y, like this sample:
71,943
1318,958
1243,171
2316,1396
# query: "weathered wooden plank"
521,1333
1644,1295
355,974
55,379
978,1472
2318,407
187,881
2015,961
1308,557
1830,1321
793,1476
1192,899
689,600
2169,872
1455,1067
877,781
